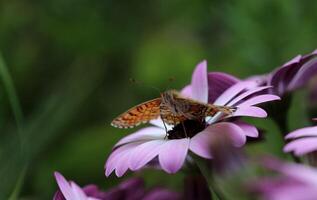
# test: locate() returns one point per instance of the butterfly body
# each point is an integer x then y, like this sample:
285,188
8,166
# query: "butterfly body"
173,109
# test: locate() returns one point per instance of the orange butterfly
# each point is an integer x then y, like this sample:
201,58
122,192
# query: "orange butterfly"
171,107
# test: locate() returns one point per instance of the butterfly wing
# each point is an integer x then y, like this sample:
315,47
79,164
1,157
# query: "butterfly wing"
169,118
193,109
141,113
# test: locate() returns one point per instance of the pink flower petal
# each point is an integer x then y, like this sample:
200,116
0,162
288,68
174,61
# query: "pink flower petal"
298,172
64,186
251,111
301,172
248,129
144,134
233,91
299,192
199,83
294,60
200,143
259,99
308,70
233,131
115,160
301,146
78,192
144,153
173,154
308,131
187,91
246,94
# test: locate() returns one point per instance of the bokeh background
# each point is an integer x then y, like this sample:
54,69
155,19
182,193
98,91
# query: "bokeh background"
71,62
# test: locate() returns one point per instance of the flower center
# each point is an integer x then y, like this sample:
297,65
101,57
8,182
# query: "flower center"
188,128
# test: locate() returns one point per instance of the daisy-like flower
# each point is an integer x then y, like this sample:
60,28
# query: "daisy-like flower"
131,189
295,182
303,141
138,149
292,75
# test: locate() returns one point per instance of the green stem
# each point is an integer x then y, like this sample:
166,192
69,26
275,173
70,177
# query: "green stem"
18,115
206,172
17,189
280,117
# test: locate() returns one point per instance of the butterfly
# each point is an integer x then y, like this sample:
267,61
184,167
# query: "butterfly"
172,107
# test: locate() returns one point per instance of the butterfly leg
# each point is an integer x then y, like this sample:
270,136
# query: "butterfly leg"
166,133
184,128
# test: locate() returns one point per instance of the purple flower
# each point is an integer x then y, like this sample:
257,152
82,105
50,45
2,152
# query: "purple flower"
132,189
69,190
295,182
138,149
304,141
290,76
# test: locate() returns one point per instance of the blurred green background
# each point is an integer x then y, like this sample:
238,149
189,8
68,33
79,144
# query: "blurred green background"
71,62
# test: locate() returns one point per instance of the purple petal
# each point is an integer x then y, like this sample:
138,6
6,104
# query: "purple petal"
92,191
199,83
133,188
58,195
294,60
78,192
162,194
64,186
187,91
116,159
259,99
251,111
308,131
234,132
299,172
144,153
200,143
246,94
233,91
303,75
219,82
144,134
301,146
173,154
248,129
283,75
